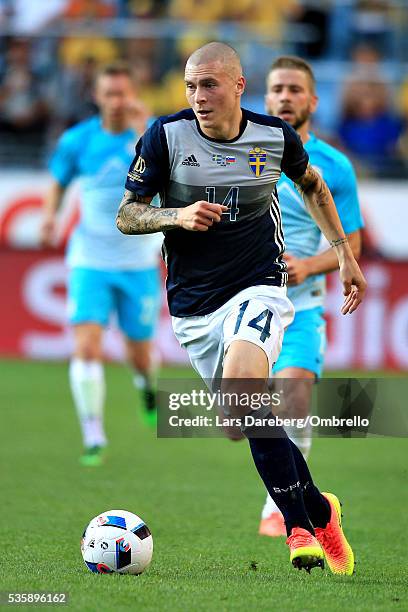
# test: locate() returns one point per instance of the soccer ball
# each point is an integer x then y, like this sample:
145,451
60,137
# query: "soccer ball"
117,541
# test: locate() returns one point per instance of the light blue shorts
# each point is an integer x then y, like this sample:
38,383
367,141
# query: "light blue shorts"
134,295
304,342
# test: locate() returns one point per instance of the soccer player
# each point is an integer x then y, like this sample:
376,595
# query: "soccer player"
216,166
107,271
291,96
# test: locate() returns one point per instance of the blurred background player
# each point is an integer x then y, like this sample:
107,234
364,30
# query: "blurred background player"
291,96
107,271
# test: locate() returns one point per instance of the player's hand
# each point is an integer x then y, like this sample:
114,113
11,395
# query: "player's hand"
354,285
297,269
48,231
201,215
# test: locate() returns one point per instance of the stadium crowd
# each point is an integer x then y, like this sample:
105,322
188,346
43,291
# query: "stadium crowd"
49,53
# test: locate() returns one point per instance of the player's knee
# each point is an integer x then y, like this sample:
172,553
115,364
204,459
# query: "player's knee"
245,360
88,352
238,368
88,342
88,348
243,371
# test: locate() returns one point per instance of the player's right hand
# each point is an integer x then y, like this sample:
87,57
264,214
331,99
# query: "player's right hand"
201,215
48,232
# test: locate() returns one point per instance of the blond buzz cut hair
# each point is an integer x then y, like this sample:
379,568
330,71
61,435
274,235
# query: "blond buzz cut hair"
217,52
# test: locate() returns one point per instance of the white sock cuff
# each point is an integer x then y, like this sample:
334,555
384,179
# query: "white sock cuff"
269,507
139,381
143,380
80,369
302,437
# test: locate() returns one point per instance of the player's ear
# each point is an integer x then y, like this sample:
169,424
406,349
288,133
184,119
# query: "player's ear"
240,85
313,103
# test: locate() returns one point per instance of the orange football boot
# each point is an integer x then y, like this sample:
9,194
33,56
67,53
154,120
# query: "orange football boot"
337,550
305,550
273,525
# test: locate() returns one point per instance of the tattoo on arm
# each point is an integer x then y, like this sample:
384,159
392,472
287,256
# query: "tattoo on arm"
136,216
338,242
313,188
321,206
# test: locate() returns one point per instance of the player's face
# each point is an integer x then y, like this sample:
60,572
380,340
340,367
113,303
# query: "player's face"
289,96
114,95
214,95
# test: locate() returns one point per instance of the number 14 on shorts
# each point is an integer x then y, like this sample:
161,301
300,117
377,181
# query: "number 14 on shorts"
264,317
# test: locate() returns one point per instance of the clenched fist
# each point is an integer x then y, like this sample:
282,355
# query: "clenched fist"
201,215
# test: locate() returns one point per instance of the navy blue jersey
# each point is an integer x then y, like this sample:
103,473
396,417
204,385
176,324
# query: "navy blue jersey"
175,159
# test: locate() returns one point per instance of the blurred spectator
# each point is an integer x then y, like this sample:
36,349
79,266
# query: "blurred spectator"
23,106
370,128
169,96
90,9
403,97
146,50
75,50
314,16
403,105
25,18
55,78
197,10
6,11
372,24
265,17
365,56
366,61
72,93
142,9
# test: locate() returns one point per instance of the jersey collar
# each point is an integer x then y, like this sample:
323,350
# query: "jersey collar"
242,128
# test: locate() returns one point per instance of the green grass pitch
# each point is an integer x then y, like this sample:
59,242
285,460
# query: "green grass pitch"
201,499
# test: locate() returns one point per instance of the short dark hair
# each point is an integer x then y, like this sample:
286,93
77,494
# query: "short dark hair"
118,68
293,62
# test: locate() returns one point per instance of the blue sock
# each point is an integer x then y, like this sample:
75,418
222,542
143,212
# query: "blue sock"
317,506
276,465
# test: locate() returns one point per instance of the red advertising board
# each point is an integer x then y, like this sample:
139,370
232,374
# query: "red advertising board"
34,322
34,317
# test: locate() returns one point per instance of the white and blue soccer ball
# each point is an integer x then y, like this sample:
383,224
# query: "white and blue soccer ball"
117,541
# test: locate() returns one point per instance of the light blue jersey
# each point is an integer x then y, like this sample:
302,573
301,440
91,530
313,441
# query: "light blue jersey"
100,160
302,236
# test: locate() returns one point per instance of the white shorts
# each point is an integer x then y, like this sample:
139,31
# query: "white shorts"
256,314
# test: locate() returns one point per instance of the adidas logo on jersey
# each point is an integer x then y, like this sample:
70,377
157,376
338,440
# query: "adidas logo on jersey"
190,161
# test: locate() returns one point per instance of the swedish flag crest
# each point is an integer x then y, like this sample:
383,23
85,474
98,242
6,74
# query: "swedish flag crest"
257,160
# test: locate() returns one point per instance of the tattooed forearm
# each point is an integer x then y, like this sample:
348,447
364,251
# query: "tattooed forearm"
321,206
313,188
136,216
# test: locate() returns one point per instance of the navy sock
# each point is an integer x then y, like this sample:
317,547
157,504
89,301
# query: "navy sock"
317,506
275,463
